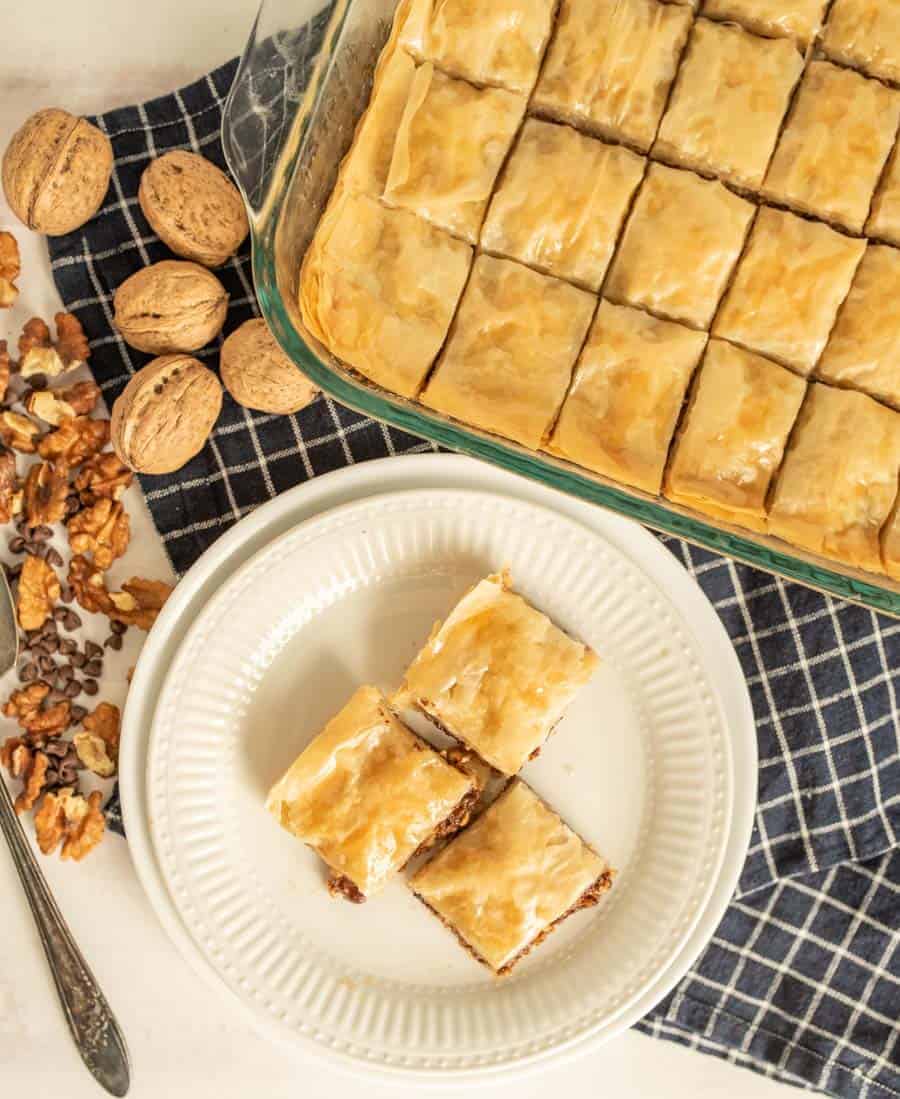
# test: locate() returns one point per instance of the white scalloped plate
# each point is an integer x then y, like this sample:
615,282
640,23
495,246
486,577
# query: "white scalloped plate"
640,766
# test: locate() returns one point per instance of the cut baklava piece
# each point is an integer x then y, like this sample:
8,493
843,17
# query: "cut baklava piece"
732,440
728,103
511,351
788,287
561,202
610,66
884,221
367,793
798,19
451,142
497,675
866,35
498,42
630,382
366,165
834,146
863,351
838,481
379,288
680,245
511,878
890,543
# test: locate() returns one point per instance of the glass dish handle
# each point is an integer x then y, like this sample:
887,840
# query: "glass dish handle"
277,71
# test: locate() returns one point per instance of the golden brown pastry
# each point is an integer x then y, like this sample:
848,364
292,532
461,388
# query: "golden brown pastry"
510,878
680,244
498,675
630,382
788,287
366,165
798,19
561,202
730,97
890,543
866,35
498,42
837,138
839,478
884,221
451,142
863,351
610,65
511,351
378,288
366,793
732,440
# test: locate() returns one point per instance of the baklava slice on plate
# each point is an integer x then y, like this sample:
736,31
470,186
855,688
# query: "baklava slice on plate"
497,675
367,793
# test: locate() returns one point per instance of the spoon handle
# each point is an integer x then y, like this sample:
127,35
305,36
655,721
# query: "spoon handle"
92,1023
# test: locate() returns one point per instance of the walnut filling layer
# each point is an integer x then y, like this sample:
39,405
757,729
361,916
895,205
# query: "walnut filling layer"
588,899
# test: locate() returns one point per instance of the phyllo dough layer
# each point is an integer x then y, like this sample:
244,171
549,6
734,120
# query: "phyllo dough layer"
865,34
798,19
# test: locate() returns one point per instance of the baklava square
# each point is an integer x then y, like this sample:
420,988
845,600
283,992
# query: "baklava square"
838,481
367,793
884,221
379,288
837,138
890,543
863,351
729,100
497,675
732,439
866,35
366,166
798,19
561,202
511,351
610,66
498,42
506,882
788,287
680,245
629,386
451,143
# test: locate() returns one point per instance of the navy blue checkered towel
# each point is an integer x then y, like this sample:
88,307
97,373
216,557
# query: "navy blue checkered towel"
802,978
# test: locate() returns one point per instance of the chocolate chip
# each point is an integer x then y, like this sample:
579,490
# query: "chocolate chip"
78,660
51,778
55,696
118,627
72,690
66,594
90,686
13,572
71,621
91,649
46,663
65,673
28,672
59,613
49,628
36,549
114,641
73,505
37,381
57,748
68,776
67,646
54,557
50,644
78,714
17,544
94,667
41,533
32,636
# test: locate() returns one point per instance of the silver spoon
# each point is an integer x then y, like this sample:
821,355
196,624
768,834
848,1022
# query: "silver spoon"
93,1025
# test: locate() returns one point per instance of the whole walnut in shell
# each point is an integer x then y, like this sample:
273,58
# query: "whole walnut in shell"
193,207
165,414
170,306
258,374
56,171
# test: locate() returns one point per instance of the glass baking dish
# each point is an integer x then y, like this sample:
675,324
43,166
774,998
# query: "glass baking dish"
302,84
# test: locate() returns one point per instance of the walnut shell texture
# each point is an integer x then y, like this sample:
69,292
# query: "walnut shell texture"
170,306
258,374
193,207
165,414
56,171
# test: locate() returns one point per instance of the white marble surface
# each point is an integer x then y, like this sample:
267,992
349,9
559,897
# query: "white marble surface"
185,1041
